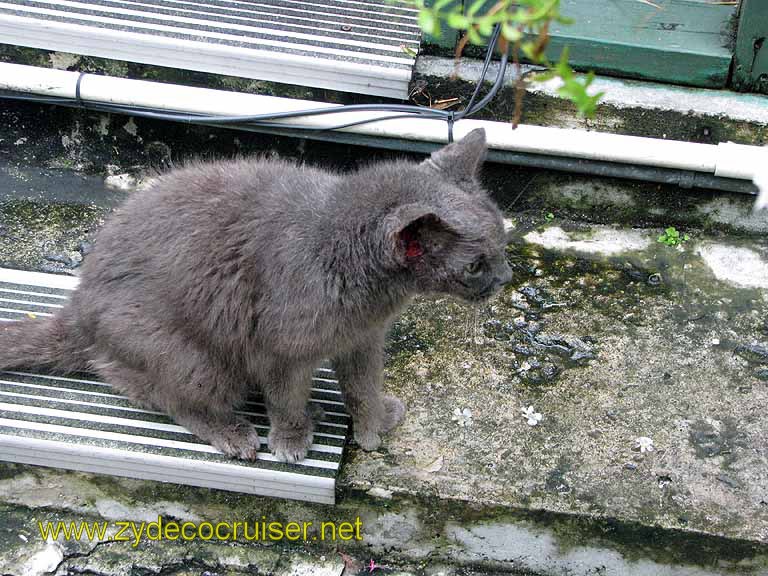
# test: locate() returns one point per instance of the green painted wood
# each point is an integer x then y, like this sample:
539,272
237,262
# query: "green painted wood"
750,71
681,41
447,38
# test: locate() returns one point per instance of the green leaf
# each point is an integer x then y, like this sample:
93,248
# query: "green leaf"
529,49
544,76
543,9
457,21
511,32
429,23
589,107
562,67
575,89
485,27
474,37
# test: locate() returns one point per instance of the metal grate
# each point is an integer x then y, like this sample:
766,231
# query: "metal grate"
358,46
79,423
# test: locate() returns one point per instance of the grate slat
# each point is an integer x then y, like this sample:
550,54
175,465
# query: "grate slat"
350,45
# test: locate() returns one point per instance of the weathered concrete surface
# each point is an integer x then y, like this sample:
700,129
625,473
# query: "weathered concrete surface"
628,107
677,358
658,342
606,200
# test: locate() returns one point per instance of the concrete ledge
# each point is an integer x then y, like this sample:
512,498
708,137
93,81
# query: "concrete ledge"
403,535
628,107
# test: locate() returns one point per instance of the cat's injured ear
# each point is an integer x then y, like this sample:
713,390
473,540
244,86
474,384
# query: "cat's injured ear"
461,160
415,230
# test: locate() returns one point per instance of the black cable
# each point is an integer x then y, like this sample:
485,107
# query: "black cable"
495,88
486,64
77,88
268,120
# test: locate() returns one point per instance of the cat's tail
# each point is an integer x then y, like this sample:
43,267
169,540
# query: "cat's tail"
40,342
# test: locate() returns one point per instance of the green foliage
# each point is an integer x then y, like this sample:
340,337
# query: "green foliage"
575,89
549,216
524,25
671,237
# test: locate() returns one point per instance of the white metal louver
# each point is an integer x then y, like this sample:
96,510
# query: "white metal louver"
77,422
359,46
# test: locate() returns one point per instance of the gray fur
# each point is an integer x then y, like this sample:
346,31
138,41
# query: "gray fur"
234,275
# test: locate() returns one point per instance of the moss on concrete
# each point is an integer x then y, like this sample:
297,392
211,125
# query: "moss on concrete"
30,231
606,200
404,530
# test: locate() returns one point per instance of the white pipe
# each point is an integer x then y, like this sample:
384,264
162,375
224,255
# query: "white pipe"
726,159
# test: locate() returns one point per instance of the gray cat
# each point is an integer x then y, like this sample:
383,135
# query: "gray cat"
228,276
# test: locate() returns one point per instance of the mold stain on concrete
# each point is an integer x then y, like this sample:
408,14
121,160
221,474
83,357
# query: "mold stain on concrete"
45,236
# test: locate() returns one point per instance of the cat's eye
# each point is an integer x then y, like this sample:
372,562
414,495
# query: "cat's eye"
475,268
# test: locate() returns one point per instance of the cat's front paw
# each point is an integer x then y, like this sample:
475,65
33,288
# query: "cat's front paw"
239,440
290,445
394,410
368,440
368,437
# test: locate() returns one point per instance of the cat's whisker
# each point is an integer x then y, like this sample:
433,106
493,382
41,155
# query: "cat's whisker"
528,184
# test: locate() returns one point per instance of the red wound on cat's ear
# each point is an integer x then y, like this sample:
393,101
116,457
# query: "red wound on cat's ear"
413,248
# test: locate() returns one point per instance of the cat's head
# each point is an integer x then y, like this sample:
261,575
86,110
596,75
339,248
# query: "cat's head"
448,233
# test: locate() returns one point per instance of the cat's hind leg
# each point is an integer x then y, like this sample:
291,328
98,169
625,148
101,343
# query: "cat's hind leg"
189,397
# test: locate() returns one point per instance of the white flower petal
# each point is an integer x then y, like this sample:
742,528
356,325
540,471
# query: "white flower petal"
644,444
